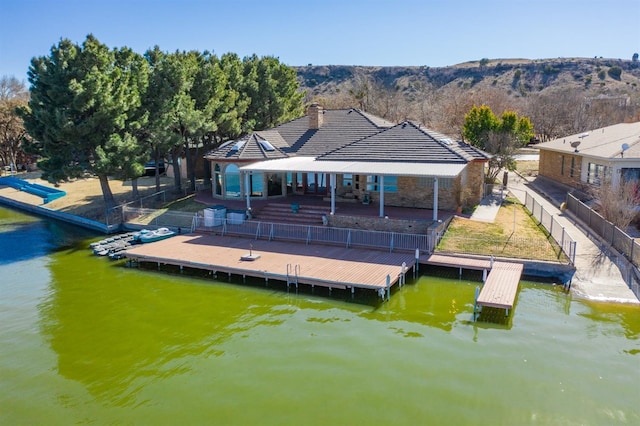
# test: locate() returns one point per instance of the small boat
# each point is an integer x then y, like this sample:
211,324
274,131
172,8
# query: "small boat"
140,233
157,235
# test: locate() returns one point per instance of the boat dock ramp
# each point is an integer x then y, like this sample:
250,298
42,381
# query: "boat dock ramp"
501,279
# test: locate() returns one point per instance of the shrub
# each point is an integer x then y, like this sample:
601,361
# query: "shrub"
615,72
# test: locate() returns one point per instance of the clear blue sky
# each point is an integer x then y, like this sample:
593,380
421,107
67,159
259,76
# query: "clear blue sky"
328,32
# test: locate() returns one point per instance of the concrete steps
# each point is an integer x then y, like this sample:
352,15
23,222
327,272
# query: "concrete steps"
283,213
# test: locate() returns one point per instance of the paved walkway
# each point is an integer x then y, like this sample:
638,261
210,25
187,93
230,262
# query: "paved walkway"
597,277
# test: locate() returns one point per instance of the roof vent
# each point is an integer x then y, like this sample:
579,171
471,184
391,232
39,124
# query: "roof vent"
446,141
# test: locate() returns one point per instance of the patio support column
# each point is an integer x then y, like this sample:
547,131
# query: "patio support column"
381,187
247,190
435,199
332,182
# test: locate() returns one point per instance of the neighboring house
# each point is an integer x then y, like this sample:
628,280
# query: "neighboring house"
584,159
349,154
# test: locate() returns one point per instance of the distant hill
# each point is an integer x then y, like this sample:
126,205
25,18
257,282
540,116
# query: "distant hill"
517,77
561,96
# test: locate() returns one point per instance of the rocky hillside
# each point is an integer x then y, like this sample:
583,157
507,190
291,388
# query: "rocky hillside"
516,77
560,96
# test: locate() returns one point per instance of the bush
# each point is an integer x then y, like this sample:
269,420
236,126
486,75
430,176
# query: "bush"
615,72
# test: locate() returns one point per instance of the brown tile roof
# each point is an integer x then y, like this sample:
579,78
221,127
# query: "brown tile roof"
339,127
406,142
349,135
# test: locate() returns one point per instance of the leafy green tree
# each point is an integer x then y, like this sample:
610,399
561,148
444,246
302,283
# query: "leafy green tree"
479,122
500,137
83,109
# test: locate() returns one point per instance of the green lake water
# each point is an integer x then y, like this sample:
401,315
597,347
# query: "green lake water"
84,340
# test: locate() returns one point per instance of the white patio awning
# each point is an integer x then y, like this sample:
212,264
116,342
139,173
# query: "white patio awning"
311,165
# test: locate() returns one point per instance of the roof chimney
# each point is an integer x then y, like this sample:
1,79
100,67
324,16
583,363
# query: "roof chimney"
315,115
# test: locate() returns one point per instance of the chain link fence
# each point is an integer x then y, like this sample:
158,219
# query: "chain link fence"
555,229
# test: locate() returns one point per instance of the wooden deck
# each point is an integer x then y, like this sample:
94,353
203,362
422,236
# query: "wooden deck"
327,266
501,285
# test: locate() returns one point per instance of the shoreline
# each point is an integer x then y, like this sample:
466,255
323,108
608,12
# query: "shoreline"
61,216
7,197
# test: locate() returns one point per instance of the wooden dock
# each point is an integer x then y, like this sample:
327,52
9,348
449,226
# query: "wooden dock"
500,285
293,263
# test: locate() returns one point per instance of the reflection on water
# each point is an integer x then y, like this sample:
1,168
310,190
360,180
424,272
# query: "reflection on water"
87,340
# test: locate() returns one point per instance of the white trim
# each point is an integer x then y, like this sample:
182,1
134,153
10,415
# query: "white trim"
311,165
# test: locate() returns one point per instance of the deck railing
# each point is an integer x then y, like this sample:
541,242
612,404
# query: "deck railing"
392,241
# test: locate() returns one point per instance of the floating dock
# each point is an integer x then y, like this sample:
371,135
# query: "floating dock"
500,284
293,263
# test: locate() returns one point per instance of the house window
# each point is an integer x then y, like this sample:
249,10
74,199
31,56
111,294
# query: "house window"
275,184
630,175
372,183
347,180
562,166
217,179
256,183
232,181
573,166
391,184
427,182
595,173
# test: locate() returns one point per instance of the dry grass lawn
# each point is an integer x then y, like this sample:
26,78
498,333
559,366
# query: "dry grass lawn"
506,237
84,196
527,168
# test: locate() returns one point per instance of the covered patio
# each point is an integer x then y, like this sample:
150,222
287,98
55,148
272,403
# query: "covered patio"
380,170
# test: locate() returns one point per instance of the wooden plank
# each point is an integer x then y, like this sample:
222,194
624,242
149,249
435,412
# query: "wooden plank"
321,265
457,262
501,286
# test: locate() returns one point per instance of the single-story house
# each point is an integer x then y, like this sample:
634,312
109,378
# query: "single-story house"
583,160
350,154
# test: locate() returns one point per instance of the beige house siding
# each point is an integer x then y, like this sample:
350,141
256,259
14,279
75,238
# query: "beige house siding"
475,181
551,166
